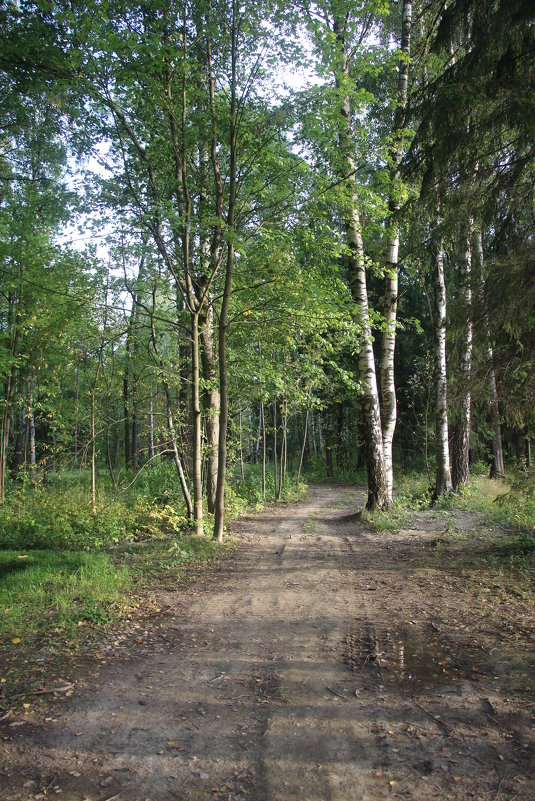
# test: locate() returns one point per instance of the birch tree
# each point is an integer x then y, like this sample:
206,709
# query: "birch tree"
346,41
388,342
443,482
461,437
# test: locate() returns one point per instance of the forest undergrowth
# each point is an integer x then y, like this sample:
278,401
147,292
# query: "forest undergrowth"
67,574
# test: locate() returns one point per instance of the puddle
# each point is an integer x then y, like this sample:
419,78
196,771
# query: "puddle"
408,654
410,658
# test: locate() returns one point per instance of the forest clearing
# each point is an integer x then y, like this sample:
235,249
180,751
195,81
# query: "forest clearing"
321,660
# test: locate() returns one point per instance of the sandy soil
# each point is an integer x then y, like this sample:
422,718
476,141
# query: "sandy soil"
321,662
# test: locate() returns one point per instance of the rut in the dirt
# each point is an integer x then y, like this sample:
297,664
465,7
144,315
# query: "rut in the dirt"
286,678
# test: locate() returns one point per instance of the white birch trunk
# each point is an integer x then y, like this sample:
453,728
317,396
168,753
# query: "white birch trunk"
461,441
388,344
443,485
375,466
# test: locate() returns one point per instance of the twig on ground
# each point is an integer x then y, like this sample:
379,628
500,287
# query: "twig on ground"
448,729
343,697
47,691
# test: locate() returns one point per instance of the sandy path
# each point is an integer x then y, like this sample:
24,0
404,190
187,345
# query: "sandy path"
288,678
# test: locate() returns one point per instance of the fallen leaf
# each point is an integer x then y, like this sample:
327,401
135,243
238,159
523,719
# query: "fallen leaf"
16,640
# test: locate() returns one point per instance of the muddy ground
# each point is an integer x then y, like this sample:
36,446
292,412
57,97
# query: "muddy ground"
323,661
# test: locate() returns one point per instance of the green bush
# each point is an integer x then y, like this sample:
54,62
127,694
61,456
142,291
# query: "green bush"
159,485
55,520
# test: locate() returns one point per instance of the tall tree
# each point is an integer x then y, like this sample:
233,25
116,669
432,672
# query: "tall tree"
388,342
461,436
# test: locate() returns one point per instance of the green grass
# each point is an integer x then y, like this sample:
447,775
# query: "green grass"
46,590
43,592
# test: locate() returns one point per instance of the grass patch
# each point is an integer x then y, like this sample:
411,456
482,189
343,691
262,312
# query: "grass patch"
43,591
59,592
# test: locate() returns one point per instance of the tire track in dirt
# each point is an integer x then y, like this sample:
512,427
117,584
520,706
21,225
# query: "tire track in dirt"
285,679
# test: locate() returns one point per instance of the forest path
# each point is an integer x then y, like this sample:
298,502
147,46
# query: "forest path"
321,662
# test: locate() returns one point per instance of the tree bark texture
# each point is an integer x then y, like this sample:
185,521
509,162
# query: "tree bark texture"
211,402
219,511
388,342
443,483
197,426
497,469
461,439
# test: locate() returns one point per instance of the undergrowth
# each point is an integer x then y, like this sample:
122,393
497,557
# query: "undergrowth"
63,569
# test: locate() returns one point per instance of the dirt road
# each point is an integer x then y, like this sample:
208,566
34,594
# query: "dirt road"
321,662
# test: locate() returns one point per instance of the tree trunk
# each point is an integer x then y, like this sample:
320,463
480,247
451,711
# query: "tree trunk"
134,424
497,469
443,484
259,432
240,440
388,342
76,412
176,456
169,415
13,328
219,511
328,449
373,438
313,435
127,454
461,438
282,468
275,455
250,434
18,450
151,429
264,446
109,461
31,426
197,426
211,405
93,458
303,448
